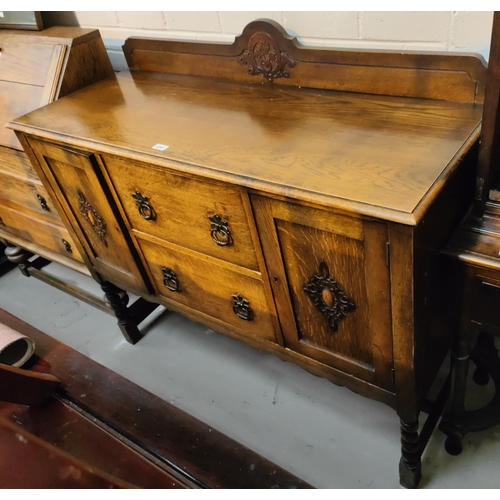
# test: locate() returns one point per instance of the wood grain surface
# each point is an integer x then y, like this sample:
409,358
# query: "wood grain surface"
209,286
377,151
182,209
434,75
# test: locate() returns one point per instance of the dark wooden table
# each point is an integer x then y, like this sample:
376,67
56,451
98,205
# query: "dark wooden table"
142,440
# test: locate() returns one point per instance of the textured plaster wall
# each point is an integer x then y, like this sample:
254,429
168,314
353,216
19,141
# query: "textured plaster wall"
429,31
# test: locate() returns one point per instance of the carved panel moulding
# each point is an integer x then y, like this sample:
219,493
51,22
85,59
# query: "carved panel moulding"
329,297
264,57
91,215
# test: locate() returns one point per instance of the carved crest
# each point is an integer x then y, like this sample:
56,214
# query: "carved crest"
329,297
91,215
264,57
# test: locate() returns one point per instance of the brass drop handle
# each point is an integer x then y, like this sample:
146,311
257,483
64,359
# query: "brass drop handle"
170,279
219,231
241,307
43,202
67,246
146,211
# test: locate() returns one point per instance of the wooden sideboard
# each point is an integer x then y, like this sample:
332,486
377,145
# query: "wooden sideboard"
296,199
36,68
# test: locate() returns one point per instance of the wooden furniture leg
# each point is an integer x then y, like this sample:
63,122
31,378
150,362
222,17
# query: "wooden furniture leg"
410,466
118,300
18,256
460,369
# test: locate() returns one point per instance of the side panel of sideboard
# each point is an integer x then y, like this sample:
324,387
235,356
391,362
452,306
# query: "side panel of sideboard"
435,317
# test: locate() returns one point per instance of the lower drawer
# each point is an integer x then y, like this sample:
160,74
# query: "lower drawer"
27,226
236,299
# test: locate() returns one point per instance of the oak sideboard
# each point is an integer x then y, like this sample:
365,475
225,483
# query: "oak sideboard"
296,199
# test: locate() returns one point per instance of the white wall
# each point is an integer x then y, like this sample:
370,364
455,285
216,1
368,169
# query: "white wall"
455,31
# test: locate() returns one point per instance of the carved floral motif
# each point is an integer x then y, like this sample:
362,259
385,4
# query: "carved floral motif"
91,215
329,297
264,57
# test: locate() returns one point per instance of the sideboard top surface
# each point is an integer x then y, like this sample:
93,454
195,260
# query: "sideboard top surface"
378,155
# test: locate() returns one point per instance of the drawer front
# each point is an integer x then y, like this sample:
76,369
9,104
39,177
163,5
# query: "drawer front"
205,217
485,301
17,163
75,178
224,294
20,194
32,229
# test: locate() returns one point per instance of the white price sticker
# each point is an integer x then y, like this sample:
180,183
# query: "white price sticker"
160,147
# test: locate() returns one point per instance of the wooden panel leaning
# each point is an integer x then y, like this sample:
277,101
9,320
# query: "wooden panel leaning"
337,176
37,68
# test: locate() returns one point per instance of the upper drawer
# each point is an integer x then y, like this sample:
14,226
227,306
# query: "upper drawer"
184,211
19,193
17,163
23,62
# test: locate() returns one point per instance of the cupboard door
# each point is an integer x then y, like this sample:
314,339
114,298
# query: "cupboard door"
75,178
330,280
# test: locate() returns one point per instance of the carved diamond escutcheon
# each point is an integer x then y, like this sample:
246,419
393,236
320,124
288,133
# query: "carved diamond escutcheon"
264,57
91,215
329,297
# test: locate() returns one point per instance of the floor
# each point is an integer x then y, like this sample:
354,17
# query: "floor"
326,435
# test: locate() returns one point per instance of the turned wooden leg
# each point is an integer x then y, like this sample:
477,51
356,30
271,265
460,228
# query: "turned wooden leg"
450,425
410,467
19,256
118,300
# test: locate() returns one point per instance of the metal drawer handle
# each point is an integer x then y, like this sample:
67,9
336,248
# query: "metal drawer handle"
170,279
219,231
43,202
241,308
67,246
145,209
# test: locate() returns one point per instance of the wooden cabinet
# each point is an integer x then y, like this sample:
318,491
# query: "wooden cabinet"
37,68
281,198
